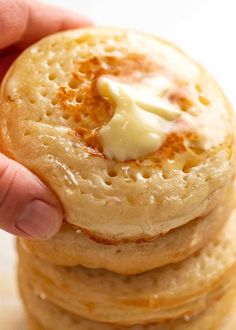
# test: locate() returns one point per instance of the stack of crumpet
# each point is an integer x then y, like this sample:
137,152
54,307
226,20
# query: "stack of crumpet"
137,142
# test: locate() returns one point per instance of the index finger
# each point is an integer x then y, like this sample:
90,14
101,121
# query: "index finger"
23,22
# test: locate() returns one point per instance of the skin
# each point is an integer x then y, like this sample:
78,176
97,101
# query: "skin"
27,207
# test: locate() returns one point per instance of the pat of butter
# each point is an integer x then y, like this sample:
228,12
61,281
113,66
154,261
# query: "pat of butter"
140,123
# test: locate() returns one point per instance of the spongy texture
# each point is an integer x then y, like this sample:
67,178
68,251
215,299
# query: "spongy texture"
173,291
51,113
43,315
132,258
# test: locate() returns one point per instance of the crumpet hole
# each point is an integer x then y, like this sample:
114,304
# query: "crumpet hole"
44,93
185,104
109,49
40,118
203,100
164,176
73,84
198,88
66,116
112,173
54,101
108,182
84,115
146,174
49,113
78,99
32,101
189,165
52,76
50,62
27,133
130,199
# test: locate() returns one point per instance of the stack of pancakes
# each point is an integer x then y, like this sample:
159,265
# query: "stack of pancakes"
148,242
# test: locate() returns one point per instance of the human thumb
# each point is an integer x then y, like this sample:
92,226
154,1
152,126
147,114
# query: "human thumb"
27,207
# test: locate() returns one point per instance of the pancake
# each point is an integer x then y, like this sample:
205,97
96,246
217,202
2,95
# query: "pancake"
60,118
131,258
43,315
173,291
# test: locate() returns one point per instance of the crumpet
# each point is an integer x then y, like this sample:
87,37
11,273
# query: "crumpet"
179,290
133,136
131,257
43,315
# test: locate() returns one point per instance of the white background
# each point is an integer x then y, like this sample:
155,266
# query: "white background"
204,28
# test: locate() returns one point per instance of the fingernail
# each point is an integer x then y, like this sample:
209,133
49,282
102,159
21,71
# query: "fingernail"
39,220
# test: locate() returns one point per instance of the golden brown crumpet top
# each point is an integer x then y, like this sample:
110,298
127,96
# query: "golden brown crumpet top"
133,136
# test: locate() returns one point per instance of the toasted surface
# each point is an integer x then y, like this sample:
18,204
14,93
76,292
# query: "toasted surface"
43,315
181,289
131,258
51,115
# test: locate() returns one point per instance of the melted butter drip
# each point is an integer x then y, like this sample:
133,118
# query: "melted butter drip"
141,119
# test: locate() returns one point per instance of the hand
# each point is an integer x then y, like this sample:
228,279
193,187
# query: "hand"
27,207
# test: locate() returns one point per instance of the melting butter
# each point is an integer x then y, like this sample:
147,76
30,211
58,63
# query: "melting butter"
141,120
